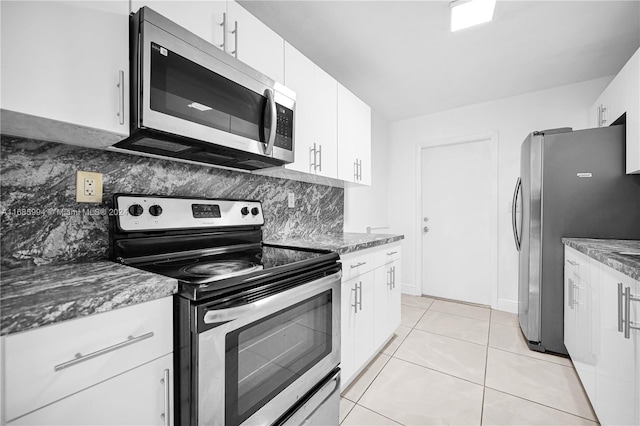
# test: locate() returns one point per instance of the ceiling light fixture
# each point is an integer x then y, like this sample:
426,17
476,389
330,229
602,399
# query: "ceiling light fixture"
467,13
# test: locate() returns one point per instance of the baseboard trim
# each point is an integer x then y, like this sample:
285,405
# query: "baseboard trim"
508,305
410,289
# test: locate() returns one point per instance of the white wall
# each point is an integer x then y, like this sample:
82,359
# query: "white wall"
513,119
367,205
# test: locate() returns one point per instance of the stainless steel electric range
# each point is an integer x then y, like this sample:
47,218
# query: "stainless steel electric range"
257,326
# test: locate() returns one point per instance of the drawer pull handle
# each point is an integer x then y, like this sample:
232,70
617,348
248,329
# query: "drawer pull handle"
357,265
81,358
571,262
392,253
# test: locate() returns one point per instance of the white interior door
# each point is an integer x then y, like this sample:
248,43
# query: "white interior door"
457,212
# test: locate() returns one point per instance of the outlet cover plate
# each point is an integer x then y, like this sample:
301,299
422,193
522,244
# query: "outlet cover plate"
81,197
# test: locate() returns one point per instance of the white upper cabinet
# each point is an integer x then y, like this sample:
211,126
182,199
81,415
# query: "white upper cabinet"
254,43
354,138
66,62
203,18
316,115
623,96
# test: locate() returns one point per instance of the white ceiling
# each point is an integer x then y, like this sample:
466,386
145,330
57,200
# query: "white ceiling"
401,58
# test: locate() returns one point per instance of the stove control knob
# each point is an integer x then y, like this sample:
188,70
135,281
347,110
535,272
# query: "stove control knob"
136,210
244,211
155,210
255,211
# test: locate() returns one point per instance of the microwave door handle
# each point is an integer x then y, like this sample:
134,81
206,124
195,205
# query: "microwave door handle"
274,117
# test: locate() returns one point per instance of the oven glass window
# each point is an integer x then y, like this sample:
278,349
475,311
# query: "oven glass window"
187,90
265,357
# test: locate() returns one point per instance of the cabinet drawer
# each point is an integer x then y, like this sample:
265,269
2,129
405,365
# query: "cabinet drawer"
387,254
49,363
578,263
357,263
138,397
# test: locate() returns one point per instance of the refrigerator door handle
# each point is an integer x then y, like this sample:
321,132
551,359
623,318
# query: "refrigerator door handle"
513,213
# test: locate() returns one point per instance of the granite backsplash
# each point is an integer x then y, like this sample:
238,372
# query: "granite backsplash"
42,223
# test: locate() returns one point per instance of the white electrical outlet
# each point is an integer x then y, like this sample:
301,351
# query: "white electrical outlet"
291,200
88,187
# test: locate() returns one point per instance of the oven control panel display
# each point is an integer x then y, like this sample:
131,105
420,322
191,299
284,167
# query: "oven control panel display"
205,211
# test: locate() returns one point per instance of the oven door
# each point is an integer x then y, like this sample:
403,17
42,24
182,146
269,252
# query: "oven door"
257,360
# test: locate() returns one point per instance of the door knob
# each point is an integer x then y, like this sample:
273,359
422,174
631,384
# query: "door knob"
425,229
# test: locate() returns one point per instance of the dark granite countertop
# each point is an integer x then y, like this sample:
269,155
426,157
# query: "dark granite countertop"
34,296
343,243
607,252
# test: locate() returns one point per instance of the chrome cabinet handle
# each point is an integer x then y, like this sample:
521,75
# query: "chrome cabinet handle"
572,263
167,398
360,300
357,265
320,157
121,96
81,358
570,295
223,46
312,164
360,168
274,116
628,324
392,253
355,302
235,34
394,276
355,170
389,278
627,309
620,307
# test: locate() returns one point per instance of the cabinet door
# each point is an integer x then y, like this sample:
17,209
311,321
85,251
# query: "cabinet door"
570,333
325,122
623,96
387,302
142,396
347,329
364,325
298,69
616,387
65,60
203,18
354,138
254,43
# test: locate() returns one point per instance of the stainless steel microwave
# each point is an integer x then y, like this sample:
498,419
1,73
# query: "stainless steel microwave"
191,101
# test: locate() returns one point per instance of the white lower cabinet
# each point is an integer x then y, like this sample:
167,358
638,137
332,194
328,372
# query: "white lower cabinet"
357,338
370,306
617,366
142,396
601,313
105,364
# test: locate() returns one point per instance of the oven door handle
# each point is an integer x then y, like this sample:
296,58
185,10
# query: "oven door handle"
278,300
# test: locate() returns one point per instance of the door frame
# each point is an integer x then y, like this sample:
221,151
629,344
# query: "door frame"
493,227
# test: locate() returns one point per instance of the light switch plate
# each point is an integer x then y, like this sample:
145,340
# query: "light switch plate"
88,187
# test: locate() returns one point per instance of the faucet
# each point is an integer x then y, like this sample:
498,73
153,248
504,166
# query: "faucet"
369,228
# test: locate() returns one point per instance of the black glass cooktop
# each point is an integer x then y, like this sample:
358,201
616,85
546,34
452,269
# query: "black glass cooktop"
249,263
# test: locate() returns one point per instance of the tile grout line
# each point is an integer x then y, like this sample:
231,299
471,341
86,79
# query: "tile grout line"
486,364
543,405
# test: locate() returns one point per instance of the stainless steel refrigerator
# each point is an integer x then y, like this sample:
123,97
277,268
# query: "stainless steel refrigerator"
572,184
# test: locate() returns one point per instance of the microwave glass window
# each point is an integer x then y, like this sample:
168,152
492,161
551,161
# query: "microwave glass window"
187,90
265,357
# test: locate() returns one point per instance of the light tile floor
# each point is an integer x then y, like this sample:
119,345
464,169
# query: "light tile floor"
459,364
